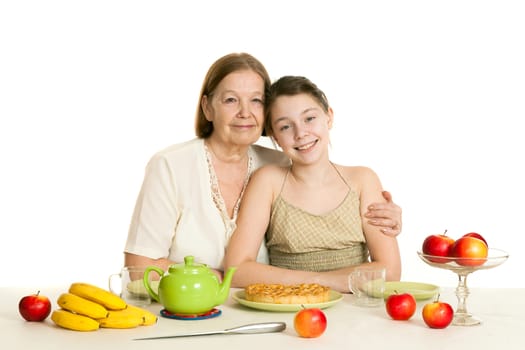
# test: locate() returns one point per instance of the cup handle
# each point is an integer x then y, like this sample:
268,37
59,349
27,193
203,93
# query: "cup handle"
145,280
111,278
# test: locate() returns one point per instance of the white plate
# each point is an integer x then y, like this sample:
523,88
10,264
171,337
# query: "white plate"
239,296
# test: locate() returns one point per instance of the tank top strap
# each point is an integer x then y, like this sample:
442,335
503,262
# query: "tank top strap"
284,180
340,175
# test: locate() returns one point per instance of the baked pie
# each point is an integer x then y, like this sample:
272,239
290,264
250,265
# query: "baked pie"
304,293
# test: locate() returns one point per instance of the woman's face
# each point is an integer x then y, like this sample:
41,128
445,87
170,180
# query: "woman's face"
236,108
301,127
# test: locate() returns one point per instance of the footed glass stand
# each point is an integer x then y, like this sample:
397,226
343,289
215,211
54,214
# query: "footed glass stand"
464,267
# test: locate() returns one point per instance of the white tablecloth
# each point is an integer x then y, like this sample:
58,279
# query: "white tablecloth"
349,327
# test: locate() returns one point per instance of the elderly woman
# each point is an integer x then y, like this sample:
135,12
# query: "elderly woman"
191,192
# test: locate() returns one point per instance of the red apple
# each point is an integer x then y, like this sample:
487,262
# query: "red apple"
437,314
438,245
476,235
310,322
469,251
34,307
401,306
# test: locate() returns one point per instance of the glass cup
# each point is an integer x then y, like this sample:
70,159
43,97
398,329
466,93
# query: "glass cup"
128,284
368,286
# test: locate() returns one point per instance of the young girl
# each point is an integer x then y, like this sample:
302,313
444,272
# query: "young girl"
311,213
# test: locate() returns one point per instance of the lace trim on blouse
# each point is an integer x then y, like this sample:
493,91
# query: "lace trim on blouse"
229,223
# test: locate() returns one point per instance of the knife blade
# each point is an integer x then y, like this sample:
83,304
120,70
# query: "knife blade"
252,328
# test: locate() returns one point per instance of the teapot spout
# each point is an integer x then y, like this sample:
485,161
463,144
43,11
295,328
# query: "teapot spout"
224,288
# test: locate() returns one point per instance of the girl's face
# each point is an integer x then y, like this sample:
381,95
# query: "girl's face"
301,127
236,108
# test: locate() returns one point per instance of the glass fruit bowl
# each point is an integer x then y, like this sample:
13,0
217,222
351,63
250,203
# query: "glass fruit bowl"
463,267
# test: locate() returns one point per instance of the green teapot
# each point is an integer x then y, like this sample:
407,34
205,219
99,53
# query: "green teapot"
189,288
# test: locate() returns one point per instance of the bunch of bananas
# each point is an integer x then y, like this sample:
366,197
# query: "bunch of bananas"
86,307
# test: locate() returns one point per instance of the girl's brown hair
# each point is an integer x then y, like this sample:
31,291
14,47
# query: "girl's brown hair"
290,86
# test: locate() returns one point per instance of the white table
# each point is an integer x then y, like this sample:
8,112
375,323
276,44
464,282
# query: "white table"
349,327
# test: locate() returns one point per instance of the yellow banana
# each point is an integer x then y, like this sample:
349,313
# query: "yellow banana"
148,318
98,295
121,319
81,306
76,322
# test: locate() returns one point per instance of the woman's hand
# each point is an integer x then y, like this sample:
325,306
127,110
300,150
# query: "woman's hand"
386,215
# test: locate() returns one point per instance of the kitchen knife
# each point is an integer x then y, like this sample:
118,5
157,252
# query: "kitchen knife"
245,329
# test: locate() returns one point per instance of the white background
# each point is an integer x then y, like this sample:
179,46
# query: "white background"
430,94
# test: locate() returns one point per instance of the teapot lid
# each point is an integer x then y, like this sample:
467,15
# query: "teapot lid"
189,265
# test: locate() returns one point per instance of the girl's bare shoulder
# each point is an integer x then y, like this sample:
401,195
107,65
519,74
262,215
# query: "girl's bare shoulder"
269,173
356,171
270,170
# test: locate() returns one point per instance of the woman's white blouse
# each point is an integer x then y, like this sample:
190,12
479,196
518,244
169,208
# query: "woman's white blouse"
176,215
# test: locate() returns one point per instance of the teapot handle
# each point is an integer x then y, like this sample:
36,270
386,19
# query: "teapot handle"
145,280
